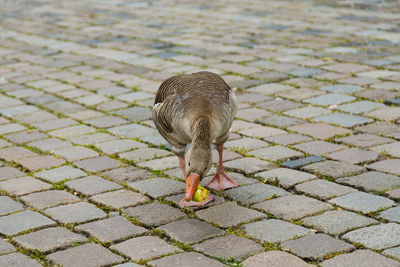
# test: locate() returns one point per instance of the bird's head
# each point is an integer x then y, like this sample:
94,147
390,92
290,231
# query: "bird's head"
198,162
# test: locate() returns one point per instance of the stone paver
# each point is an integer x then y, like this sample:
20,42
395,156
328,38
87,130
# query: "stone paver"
92,185
316,246
228,214
120,199
146,247
22,221
274,259
75,213
363,202
292,207
190,230
336,222
360,258
18,259
182,259
50,239
111,229
7,205
85,255
155,214
377,236
275,231
6,247
318,96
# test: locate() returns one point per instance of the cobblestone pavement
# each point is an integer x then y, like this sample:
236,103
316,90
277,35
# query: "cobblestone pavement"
86,180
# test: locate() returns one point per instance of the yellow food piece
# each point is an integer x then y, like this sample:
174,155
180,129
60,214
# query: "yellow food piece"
201,194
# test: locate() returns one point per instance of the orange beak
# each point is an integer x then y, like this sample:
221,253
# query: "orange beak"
191,185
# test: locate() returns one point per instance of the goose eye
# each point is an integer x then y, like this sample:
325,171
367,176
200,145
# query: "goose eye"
189,163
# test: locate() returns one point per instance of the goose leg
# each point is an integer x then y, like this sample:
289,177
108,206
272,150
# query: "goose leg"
221,181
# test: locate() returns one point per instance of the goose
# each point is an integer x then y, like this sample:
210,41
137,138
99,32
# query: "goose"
196,109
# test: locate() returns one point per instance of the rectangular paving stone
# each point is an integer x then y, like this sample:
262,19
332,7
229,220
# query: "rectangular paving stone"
59,174
286,177
306,112
292,207
275,231
280,122
181,260
47,199
360,107
254,193
364,140
127,174
120,199
72,131
49,144
7,173
96,164
190,230
155,214
132,131
111,229
318,147
105,122
392,149
75,153
6,247
323,189
92,185
392,214
372,181
342,119
85,255
360,257
52,124
336,222
329,99
117,146
334,169
228,214
7,205
160,164
390,166
262,132
18,259
230,246
145,247
91,139
49,239
316,246
354,155
40,162
319,130
246,144
248,165
158,187
275,153
297,163
15,152
23,221
380,236
288,139
75,213
362,202
274,258
342,88
392,252
23,186
24,137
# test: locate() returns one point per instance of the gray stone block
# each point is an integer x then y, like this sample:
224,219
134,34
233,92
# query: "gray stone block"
228,214
190,230
274,259
323,189
275,231
377,236
49,239
392,214
254,193
48,199
7,205
158,187
286,177
145,247
360,258
23,221
372,181
75,213
18,259
292,207
316,246
61,173
363,202
6,247
120,199
92,185
86,255
155,214
182,259
334,169
112,229
336,222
